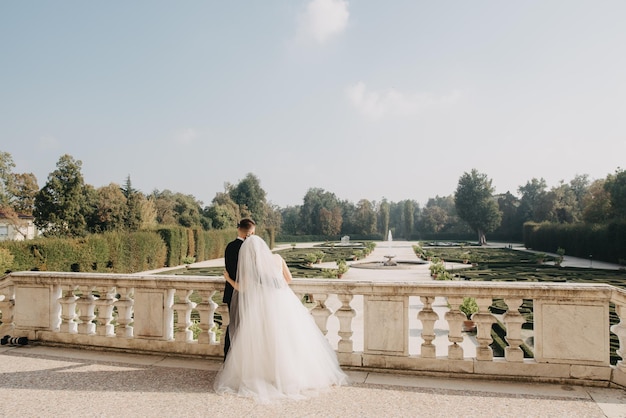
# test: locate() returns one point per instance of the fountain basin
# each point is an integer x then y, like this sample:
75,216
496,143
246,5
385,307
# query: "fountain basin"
399,265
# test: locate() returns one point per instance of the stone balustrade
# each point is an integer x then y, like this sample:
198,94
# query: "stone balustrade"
154,314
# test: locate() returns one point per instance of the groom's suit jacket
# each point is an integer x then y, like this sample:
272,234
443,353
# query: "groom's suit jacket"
231,258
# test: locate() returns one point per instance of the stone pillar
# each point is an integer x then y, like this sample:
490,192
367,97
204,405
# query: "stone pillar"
222,309
206,310
345,315
183,313
386,325
68,310
86,307
455,320
321,312
484,319
513,321
105,311
124,307
620,330
7,304
428,317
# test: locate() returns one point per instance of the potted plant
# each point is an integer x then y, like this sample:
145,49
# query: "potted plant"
561,252
320,256
469,307
310,258
342,268
188,260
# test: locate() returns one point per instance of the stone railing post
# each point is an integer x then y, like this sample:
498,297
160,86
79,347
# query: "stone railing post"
620,330
105,311
86,307
345,314
154,317
222,309
320,312
455,319
124,307
68,310
7,304
513,321
428,317
206,310
183,312
484,319
386,327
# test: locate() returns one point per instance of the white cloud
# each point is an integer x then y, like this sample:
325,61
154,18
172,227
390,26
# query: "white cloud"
391,102
323,19
47,143
185,136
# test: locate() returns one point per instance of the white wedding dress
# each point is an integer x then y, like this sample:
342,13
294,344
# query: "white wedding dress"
277,351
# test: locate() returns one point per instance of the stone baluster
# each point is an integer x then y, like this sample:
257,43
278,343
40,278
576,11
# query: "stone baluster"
7,305
206,310
222,309
320,312
620,330
484,319
86,306
68,310
455,320
124,307
105,311
428,317
345,314
513,321
183,311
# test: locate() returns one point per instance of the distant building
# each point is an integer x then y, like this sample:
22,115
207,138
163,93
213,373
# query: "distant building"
17,228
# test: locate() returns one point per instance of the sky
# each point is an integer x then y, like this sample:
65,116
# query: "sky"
362,98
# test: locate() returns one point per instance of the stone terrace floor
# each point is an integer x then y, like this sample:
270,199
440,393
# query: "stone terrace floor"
43,381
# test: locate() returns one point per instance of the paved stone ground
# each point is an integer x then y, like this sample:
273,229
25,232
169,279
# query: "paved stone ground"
42,381
57,382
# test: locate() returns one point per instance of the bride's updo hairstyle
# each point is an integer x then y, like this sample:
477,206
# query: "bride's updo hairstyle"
246,225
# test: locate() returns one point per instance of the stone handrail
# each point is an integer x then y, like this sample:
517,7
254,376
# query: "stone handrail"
153,314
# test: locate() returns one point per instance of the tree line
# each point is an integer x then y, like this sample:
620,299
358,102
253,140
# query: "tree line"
66,206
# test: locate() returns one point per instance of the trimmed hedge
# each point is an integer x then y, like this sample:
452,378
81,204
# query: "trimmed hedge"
113,252
605,242
118,252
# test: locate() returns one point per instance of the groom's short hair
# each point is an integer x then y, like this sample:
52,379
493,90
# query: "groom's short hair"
246,224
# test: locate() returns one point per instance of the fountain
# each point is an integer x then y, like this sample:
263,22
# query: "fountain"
389,258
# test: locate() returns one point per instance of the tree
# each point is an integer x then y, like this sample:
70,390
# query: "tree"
409,218
511,225
476,205
61,206
383,217
314,200
365,217
532,194
6,179
24,190
291,220
249,194
223,212
596,203
132,213
615,184
111,208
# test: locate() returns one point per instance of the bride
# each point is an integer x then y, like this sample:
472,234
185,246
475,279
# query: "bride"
277,351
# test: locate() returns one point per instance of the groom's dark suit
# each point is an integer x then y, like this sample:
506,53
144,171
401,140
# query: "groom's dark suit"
231,258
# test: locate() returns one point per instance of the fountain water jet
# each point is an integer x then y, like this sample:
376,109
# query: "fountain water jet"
389,258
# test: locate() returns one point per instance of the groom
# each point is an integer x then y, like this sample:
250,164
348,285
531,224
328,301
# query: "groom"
245,228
